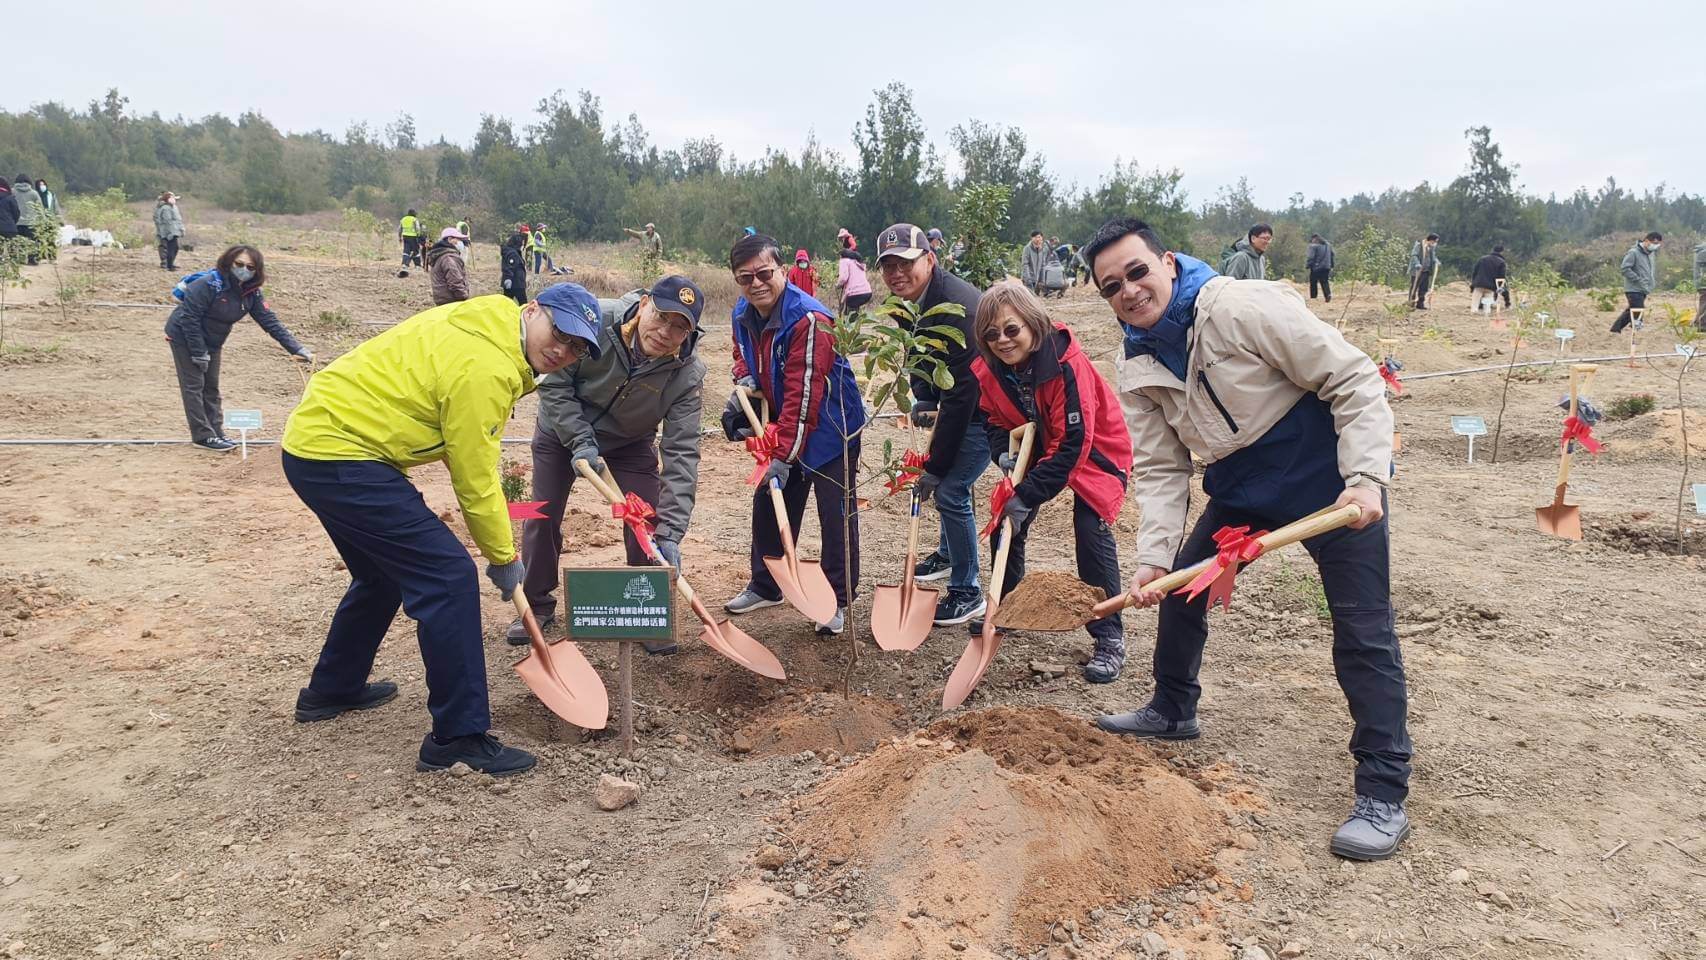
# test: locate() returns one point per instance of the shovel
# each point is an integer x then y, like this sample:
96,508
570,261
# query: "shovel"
1560,519
724,637
802,582
901,617
560,676
1317,523
980,652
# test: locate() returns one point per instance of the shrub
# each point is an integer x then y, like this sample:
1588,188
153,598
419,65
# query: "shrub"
1629,406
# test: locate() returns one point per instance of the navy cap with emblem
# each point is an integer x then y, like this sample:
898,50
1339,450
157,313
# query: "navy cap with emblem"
574,311
902,240
677,294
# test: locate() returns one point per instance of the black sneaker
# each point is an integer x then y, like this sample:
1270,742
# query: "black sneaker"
311,706
1148,722
517,632
214,445
933,567
959,607
660,648
974,627
480,751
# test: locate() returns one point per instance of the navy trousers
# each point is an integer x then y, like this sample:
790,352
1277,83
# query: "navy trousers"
399,554
1355,574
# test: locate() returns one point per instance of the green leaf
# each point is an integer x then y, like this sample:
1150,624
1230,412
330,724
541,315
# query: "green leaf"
881,397
952,333
944,309
943,378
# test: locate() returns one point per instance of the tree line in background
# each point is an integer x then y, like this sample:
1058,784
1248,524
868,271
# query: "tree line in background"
589,176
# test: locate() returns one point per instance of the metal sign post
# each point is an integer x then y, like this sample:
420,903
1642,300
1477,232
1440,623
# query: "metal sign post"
243,421
621,604
1637,320
1470,427
1564,335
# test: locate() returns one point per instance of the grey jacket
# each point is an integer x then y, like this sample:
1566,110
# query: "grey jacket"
1246,263
1700,267
168,222
1320,256
1638,273
1032,262
29,203
1423,258
621,398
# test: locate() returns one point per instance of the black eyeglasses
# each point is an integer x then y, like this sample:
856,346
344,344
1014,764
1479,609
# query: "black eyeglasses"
1010,331
1112,288
756,276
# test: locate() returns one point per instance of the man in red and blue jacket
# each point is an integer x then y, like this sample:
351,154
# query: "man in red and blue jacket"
784,350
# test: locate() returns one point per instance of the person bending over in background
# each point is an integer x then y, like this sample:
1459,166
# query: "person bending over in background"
1484,281
850,278
212,304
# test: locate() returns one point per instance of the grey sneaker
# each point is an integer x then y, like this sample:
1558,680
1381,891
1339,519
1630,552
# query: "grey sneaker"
835,625
1148,722
1106,662
749,600
933,567
517,632
1373,831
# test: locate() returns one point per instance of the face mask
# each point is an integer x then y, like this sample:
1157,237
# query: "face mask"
243,274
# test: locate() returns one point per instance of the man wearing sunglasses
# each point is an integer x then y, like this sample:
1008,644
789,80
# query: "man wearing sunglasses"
1290,419
783,349
440,386
959,445
606,410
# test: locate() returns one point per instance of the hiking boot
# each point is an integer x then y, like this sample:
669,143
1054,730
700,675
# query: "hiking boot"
835,625
660,648
933,567
517,632
959,607
1148,722
1373,831
749,600
311,706
214,445
1106,661
480,751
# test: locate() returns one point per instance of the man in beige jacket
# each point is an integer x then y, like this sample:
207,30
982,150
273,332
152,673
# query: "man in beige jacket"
1289,418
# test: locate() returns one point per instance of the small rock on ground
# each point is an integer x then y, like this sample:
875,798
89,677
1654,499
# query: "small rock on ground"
614,793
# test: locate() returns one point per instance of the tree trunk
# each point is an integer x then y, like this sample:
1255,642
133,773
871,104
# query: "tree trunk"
1682,414
1504,397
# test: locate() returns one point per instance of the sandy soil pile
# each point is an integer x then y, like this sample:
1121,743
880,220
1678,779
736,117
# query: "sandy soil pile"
1048,600
821,722
987,828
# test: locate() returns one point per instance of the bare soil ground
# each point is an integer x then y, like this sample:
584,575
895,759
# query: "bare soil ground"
159,608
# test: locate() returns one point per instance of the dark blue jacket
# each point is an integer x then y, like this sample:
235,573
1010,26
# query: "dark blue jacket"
212,305
814,398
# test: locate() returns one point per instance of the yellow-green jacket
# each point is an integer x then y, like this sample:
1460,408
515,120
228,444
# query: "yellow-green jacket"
441,385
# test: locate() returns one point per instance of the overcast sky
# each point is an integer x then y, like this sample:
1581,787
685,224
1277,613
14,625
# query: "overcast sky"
1325,97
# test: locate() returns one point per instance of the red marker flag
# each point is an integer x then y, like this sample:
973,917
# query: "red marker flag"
997,502
1576,429
527,511
911,466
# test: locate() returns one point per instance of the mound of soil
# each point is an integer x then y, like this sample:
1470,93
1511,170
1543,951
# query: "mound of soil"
1048,600
1632,536
988,827
821,722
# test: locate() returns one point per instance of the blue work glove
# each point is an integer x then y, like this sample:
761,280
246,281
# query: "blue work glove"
925,486
506,576
735,425
589,456
1007,462
778,471
670,551
1017,512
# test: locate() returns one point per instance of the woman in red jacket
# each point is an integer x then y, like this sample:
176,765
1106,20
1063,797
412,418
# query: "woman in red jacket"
1031,370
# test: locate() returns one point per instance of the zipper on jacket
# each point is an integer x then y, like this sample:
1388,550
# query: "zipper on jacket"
427,449
1214,398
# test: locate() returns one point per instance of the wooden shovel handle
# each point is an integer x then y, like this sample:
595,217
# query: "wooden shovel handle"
1019,441
1317,523
751,414
612,492
1580,375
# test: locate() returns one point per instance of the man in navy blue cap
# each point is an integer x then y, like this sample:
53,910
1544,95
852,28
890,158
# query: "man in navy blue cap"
605,411
440,386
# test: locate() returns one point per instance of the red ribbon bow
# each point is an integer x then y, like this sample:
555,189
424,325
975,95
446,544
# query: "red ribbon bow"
997,504
1577,429
527,511
1236,545
911,467
637,514
1391,378
763,448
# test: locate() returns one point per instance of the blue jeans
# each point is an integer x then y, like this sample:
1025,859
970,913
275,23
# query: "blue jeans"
958,541
399,554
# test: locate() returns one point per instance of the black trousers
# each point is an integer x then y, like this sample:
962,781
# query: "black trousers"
1098,562
825,484
169,253
1637,301
412,251
1424,283
1323,279
635,466
1356,576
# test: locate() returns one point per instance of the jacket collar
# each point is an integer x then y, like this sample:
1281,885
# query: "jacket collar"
1169,340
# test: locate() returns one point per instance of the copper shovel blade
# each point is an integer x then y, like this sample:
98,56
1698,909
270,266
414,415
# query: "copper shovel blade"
1559,519
974,661
560,676
805,586
737,645
901,618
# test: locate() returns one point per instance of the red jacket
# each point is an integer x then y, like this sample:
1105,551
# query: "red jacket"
803,278
1081,439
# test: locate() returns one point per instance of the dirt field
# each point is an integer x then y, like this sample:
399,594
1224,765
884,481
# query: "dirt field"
161,606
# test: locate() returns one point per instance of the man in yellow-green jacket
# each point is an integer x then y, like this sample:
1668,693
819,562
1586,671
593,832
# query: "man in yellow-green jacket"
438,386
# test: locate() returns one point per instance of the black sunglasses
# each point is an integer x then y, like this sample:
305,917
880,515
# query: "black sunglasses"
756,276
1010,331
1112,288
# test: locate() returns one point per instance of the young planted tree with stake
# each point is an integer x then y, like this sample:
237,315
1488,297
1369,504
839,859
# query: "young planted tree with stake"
1689,341
1538,291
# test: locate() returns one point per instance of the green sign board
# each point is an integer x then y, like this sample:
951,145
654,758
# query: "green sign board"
619,603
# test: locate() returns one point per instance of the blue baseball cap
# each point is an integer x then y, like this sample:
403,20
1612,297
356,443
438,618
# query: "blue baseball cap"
574,311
